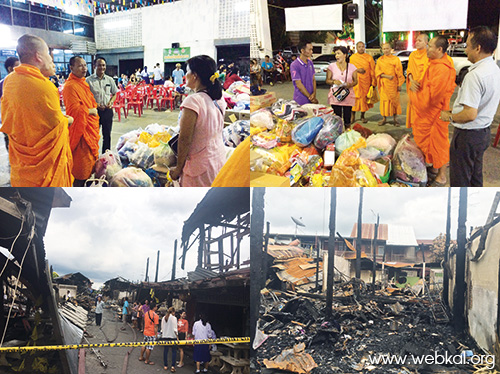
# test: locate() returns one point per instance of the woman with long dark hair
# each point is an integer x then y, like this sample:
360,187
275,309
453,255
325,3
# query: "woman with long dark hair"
342,74
200,153
201,353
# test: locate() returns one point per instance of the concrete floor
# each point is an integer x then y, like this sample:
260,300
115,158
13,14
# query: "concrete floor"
132,122
114,357
491,164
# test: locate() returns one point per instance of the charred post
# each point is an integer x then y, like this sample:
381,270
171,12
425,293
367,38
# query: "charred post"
157,266
331,253
446,275
175,260
359,238
460,287
375,254
256,254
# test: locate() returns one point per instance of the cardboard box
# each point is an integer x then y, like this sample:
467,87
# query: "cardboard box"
262,101
267,180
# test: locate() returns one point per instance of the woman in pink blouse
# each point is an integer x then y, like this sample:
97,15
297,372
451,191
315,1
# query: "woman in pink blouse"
200,153
342,74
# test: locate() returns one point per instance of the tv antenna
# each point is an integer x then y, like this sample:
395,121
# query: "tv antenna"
298,223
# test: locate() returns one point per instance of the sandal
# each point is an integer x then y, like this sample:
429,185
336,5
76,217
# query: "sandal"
179,365
149,362
141,359
173,369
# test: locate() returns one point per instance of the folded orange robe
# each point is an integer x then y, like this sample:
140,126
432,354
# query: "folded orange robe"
84,132
417,64
365,81
236,170
39,151
429,132
388,89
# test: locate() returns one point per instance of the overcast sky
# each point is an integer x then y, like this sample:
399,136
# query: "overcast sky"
109,232
422,208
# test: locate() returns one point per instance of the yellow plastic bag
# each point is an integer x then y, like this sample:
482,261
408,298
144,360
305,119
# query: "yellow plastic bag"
372,96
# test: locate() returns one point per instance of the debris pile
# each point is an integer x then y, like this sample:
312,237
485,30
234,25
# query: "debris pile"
363,326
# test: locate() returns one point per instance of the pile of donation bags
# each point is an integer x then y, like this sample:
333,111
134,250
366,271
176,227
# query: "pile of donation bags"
143,157
310,146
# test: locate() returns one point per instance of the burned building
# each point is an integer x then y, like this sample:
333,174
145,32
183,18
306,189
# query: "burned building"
29,311
219,285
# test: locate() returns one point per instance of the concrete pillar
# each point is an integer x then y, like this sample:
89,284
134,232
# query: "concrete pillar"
359,24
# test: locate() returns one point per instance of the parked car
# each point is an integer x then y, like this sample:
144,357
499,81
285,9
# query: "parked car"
460,61
403,56
320,65
289,51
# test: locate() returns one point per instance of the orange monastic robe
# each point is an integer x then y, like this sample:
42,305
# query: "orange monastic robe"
388,89
39,151
430,133
235,172
417,64
365,81
84,132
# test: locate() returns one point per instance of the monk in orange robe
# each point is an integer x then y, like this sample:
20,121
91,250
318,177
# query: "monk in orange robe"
429,131
84,132
235,172
366,78
39,151
390,78
417,64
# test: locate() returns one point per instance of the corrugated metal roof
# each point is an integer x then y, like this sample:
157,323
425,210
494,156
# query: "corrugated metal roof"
200,274
283,252
392,234
401,235
368,231
297,270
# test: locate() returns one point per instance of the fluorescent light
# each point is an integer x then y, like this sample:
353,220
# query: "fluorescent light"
80,29
122,24
68,31
6,41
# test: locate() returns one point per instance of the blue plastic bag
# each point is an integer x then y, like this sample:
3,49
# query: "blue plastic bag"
306,130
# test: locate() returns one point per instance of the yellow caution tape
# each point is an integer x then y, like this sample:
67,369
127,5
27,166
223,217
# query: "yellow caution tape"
130,344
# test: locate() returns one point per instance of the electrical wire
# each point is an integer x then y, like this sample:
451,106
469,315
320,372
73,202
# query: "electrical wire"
32,234
14,242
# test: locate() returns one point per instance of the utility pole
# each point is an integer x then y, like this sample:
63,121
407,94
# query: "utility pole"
256,254
175,259
359,238
157,266
459,293
375,254
446,275
331,253
147,270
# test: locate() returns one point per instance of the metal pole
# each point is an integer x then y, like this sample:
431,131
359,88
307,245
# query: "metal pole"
459,293
375,255
256,254
147,270
317,263
201,246
175,260
446,276
331,253
359,238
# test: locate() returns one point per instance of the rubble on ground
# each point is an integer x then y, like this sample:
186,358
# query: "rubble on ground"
389,321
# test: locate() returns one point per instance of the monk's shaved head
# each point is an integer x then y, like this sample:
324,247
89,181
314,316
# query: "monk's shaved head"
28,45
34,51
441,42
422,41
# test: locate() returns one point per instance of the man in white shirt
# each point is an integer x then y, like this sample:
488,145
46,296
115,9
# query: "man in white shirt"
157,75
473,111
